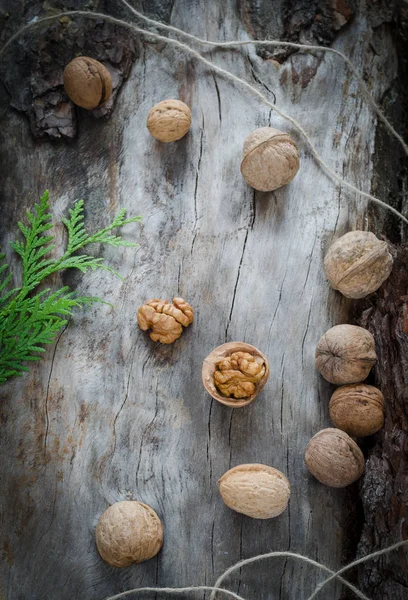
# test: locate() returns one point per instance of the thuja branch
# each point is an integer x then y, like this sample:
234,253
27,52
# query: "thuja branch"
31,318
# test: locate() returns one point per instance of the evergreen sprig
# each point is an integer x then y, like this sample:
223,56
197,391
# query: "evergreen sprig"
31,318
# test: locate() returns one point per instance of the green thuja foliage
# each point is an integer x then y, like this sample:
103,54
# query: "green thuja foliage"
30,318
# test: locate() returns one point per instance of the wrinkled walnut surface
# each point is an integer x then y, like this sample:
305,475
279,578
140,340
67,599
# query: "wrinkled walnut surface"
255,490
345,354
87,82
166,320
357,264
128,532
234,380
357,409
334,458
169,120
238,374
271,159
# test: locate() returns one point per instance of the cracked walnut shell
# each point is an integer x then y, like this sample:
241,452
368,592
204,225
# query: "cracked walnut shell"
128,532
357,264
271,159
166,320
345,354
235,373
169,120
255,490
334,458
357,409
87,82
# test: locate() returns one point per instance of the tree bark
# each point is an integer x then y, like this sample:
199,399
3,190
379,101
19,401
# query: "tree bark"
107,414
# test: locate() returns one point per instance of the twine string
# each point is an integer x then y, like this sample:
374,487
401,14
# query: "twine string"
224,73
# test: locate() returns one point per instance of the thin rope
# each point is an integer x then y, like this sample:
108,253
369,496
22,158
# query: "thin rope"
224,73
279,43
200,588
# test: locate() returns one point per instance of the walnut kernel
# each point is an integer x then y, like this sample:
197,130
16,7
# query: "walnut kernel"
87,82
169,120
357,264
271,159
164,319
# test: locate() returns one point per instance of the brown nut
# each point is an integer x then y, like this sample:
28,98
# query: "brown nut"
345,354
334,458
169,120
271,159
357,409
87,82
248,374
357,264
258,491
164,319
128,532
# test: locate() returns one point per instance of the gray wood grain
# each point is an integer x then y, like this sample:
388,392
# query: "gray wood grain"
109,415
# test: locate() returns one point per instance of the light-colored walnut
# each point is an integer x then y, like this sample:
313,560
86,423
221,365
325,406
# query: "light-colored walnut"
357,264
244,372
357,409
255,490
87,82
334,458
238,374
271,159
345,354
169,120
166,320
128,532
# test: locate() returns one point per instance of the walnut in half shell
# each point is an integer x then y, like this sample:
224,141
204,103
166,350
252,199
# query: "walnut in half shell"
235,373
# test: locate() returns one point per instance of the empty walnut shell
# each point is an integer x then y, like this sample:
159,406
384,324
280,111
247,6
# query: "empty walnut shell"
258,491
87,82
357,264
271,159
334,458
357,409
169,120
345,354
128,532
224,352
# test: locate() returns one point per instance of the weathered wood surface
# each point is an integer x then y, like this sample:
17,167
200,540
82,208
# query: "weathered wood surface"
109,415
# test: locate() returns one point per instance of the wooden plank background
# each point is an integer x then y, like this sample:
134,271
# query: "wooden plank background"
109,415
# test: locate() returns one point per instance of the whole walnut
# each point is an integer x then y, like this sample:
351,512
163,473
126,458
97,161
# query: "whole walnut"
357,409
87,82
357,264
271,159
164,319
345,354
255,490
128,532
235,373
334,458
169,120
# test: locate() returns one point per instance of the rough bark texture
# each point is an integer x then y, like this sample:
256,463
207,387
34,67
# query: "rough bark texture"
108,414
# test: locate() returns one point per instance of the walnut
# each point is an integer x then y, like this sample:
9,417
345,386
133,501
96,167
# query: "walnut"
345,354
334,458
271,159
357,409
235,373
164,319
258,491
87,82
128,532
169,120
357,264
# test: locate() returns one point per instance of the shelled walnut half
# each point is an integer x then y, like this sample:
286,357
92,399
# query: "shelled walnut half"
235,373
166,320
